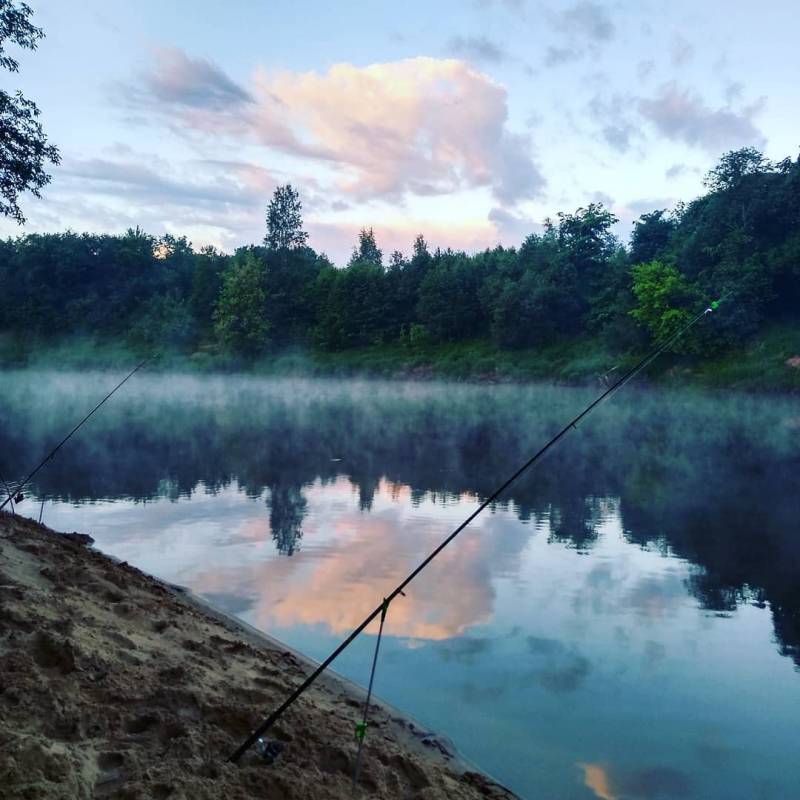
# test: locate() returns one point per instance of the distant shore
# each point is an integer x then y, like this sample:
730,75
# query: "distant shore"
115,684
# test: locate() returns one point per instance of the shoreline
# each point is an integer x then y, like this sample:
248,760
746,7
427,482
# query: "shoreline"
116,684
769,365
430,739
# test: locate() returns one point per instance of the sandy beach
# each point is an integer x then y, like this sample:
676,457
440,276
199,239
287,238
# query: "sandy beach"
113,684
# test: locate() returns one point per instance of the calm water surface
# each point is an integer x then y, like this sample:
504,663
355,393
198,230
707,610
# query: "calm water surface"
626,625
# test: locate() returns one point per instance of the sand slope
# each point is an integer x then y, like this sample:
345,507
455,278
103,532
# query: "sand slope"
113,685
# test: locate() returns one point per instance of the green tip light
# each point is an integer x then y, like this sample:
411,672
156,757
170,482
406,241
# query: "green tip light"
715,305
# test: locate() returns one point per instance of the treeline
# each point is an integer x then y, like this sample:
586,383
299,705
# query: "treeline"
574,278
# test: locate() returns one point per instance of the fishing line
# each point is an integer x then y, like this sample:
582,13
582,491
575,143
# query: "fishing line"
361,727
629,375
52,453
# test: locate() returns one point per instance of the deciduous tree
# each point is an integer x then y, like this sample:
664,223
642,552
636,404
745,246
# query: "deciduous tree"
284,220
240,322
24,150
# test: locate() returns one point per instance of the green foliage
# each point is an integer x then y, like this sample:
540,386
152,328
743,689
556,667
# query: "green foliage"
449,304
23,145
165,321
736,238
569,302
205,288
354,303
239,319
367,251
284,221
733,166
289,284
651,236
664,299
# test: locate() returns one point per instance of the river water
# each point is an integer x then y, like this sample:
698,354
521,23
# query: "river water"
625,625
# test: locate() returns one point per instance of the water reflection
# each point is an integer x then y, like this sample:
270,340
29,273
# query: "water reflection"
712,479
287,510
643,784
372,555
623,609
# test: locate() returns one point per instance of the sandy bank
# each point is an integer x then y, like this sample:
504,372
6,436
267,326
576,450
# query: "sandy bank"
114,685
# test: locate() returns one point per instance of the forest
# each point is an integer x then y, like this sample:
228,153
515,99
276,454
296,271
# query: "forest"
574,281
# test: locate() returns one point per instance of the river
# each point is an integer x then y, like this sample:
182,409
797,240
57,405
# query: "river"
625,624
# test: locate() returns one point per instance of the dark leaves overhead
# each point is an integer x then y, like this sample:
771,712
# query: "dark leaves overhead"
16,27
23,144
23,151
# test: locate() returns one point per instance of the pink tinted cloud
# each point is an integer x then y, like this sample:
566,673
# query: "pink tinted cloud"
455,593
423,126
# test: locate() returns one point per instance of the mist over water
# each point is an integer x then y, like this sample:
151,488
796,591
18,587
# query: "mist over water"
626,624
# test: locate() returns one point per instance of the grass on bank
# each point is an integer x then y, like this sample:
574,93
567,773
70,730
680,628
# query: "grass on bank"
767,363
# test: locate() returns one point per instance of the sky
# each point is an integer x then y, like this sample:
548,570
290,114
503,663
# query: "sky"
470,121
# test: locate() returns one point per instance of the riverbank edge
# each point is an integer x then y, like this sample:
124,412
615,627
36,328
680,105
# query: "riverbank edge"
22,539
259,638
769,364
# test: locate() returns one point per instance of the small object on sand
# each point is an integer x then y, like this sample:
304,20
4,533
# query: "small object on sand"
269,751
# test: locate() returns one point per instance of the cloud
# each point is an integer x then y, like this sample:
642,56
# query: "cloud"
567,677
602,197
210,201
512,229
421,126
676,170
234,184
464,649
647,204
517,176
611,783
681,51
682,115
733,91
619,136
614,116
588,20
562,670
657,597
555,56
677,114
510,5
644,68
177,79
308,589
477,48
222,202
585,27
596,779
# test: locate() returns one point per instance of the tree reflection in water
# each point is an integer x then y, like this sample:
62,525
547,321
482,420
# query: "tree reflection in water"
287,510
711,478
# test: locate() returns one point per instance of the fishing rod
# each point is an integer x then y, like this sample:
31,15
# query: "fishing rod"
8,492
21,486
381,609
